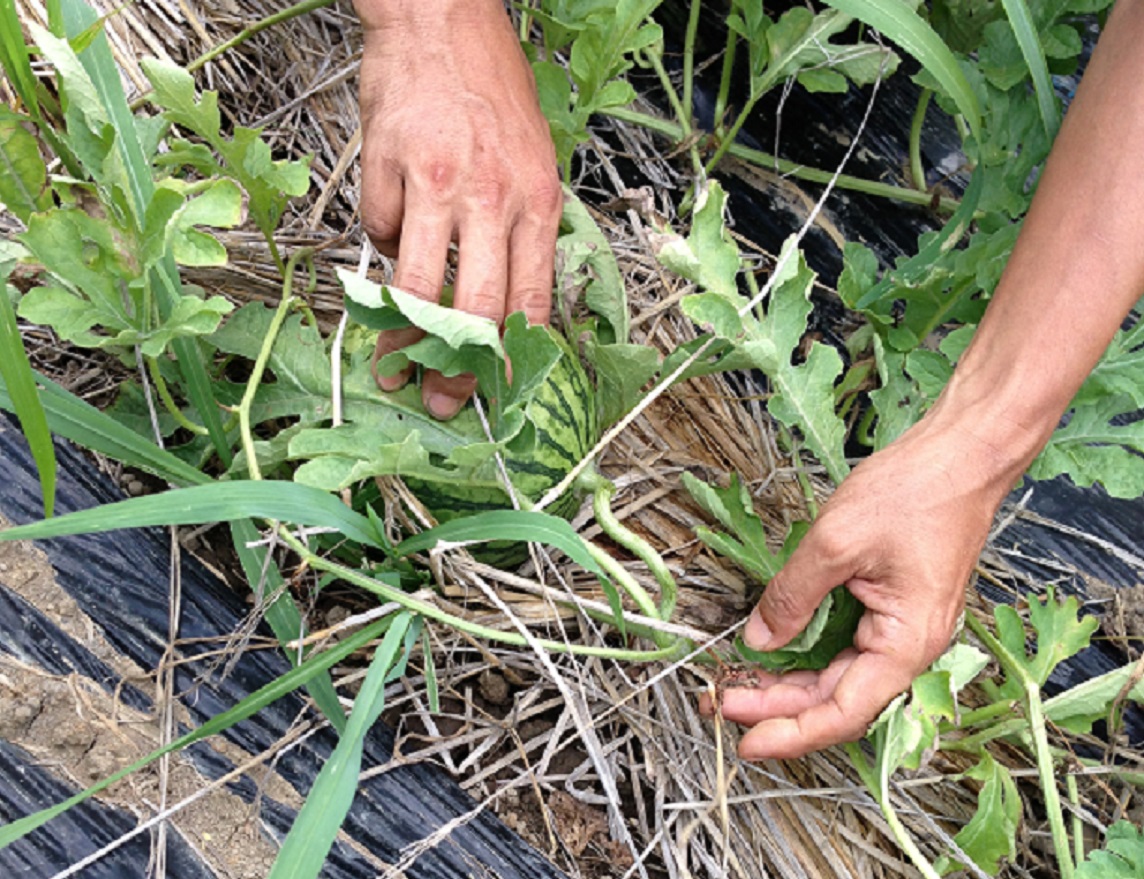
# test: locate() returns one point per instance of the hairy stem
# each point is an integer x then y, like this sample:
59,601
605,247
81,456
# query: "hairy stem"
871,779
255,380
1003,708
815,175
1035,715
728,139
725,84
916,170
629,540
168,401
432,612
689,63
245,34
682,109
1077,824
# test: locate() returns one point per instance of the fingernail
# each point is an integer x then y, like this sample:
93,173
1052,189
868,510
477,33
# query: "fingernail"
756,635
443,406
391,382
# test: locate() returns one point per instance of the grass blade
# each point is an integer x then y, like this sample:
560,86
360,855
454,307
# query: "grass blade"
308,843
282,613
14,58
432,691
216,502
492,525
17,376
73,419
897,21
1025,31
255,702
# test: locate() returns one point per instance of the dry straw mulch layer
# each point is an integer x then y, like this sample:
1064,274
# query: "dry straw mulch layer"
605,767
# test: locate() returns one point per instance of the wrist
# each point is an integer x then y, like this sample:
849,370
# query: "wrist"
996,422
378,15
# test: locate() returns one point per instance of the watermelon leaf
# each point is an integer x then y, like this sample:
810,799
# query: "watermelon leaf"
832,627
587,269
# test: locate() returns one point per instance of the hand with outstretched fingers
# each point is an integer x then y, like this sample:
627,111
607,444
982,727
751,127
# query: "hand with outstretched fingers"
903,533
456,149
904,530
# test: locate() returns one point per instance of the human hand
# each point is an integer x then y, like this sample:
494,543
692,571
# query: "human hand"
903,533
455,148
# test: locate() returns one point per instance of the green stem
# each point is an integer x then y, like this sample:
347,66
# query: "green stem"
680,108
901,835
815,175
689,64
728,140
1077,825
168,401
432,612
725,84
629,540
1035,714
263,358
242,36
987,713
864,431
803,480
916,169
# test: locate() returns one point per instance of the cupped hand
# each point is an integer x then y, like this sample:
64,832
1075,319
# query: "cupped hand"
455,149
903,532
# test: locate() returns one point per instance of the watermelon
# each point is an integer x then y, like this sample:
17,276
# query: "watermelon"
562,428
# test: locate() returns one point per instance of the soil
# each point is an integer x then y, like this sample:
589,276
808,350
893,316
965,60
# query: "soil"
1122,614
84,733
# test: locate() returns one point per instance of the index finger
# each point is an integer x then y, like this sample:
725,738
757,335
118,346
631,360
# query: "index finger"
842,714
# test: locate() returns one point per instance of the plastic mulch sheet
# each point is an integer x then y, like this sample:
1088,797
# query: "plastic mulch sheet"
119,582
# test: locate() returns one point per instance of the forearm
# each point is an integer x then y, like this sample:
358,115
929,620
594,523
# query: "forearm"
1077,268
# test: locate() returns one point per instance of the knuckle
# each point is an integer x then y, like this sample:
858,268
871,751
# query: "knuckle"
933,645
421,285
491,193
545,199
831,544
781,603
485,304
533,300
380,229
438,177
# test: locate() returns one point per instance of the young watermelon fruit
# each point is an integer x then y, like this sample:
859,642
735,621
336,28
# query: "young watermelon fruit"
561,429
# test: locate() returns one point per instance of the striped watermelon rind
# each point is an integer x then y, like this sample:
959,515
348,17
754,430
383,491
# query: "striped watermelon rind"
562,429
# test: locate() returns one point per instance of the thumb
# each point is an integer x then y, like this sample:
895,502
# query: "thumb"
796,591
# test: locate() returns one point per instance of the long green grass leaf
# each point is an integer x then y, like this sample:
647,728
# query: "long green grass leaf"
897,21
252,704
506,525
73,419
307,845
282,613
1025,31
14,58
432,691
216,502
16,374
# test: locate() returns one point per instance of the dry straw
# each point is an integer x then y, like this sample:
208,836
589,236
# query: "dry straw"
554,744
